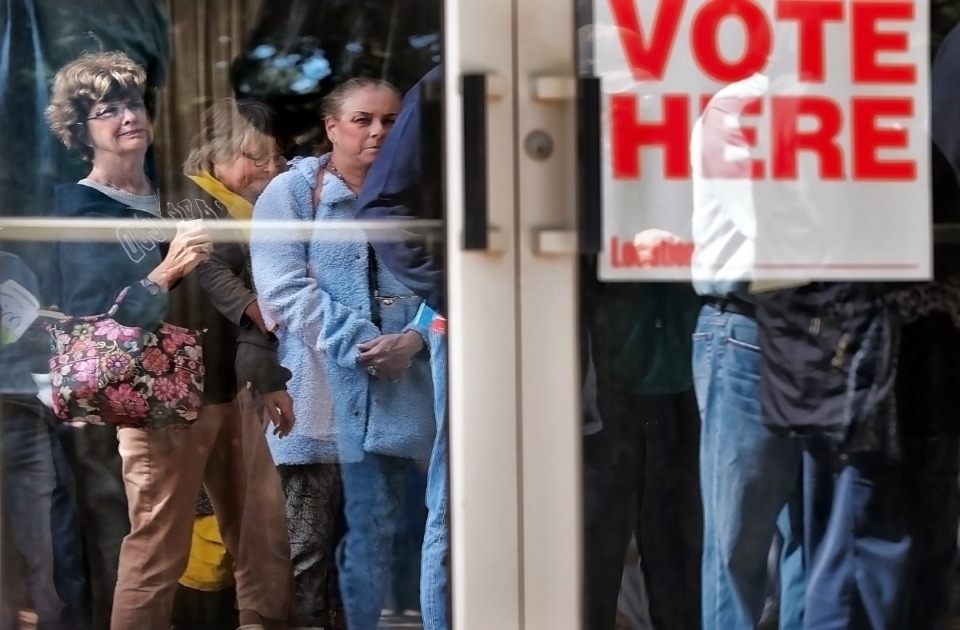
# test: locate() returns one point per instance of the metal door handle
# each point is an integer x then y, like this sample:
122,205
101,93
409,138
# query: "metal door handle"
589,166
475,177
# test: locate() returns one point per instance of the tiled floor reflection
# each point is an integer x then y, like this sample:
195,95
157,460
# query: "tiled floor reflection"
399,622
28,621
396,622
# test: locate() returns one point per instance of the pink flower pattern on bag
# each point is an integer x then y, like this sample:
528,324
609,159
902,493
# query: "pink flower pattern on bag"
166,390
105,373
117,365
155,361
126,401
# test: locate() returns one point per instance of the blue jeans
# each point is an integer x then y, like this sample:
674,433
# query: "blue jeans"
39,521
373,492
749,477
101,501
435,560
857,540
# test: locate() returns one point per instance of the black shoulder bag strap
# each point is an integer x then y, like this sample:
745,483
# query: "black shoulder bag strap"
374,286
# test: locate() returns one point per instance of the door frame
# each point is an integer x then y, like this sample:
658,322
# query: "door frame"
515,420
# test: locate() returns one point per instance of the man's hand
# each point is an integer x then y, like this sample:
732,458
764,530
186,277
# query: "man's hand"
648,241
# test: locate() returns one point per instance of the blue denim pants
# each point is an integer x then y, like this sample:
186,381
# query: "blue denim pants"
373,490
39,520
857,539
750,478
435,560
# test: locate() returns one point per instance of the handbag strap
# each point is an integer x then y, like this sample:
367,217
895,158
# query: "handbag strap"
374,286
116,304
111,312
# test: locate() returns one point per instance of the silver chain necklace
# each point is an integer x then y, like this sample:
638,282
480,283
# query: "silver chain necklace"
339,175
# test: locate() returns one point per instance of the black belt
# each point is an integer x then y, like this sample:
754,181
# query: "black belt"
734,305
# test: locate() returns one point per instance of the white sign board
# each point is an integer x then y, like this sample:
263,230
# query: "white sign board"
804,122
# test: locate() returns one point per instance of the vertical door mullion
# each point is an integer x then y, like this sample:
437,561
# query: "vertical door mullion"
549,339
482,309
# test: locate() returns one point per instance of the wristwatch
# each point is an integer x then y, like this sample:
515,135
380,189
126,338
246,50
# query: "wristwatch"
152,287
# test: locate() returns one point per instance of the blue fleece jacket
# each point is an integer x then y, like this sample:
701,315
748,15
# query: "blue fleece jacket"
318,293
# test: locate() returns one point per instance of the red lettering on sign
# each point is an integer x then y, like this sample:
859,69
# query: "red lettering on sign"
789,139
705,41
648,60
671,253
811,17
868,138
868,43
629,135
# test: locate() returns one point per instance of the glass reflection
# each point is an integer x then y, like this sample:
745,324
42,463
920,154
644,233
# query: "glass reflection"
824,410
306,486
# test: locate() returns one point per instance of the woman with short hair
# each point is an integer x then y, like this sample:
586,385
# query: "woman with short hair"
98,108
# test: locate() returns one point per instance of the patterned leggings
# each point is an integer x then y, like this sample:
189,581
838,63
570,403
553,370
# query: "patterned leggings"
315,524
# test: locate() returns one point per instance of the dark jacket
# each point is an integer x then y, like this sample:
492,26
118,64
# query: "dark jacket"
214,298
405,183
928,387
828,363
644,333
802,389
91,274
228,284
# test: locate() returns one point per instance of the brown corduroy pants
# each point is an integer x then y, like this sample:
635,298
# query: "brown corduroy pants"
162,473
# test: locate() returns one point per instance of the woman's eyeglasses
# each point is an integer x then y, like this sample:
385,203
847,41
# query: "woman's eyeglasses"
263,159
115,110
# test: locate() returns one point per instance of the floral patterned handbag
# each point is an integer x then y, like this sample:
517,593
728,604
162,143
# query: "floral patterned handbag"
103,372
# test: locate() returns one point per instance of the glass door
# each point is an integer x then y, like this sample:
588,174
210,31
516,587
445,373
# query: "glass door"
515,399
480,127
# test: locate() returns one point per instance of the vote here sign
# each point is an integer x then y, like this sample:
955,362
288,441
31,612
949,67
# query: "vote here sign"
802,122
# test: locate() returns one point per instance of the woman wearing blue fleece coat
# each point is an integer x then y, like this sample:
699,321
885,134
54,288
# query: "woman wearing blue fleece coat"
318,294
333,302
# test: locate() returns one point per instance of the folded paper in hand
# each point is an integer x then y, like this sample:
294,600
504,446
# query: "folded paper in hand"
18,309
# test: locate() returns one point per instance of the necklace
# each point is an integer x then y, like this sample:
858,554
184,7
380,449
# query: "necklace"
339,175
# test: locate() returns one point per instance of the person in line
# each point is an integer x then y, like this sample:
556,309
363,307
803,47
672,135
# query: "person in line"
97,107
232,159
928,385
32,482
750,476
861,371
361,382
641,464
38,38
405,182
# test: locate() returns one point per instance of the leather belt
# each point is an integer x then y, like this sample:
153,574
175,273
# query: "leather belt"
734,305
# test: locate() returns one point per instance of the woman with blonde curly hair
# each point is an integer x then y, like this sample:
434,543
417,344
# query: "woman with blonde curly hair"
98,108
